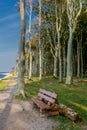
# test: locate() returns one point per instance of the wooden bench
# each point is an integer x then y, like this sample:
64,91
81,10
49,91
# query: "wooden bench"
46,100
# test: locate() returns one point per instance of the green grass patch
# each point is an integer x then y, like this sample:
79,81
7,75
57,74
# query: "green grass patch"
74,96
69,126
2,85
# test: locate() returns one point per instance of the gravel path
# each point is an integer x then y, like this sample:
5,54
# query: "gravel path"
19,115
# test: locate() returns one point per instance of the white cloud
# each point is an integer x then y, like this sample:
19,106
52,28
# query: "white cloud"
9,17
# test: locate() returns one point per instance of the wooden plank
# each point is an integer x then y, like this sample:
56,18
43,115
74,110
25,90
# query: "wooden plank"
54,113
40,104
83,80
49,99
50,94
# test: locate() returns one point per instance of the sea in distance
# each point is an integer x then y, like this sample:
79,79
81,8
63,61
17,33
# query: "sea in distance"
3,74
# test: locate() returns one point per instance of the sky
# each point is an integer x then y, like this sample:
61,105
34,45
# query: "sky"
9,34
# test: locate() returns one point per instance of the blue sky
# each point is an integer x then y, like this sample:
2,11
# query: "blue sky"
9,34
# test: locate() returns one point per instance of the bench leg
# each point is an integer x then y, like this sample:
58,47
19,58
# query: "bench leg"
42,113
34,105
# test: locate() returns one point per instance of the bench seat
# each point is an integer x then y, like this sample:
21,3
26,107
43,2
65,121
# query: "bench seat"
40,104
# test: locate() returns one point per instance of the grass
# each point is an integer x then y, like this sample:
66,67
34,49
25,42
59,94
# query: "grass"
74,96
2,85
5,82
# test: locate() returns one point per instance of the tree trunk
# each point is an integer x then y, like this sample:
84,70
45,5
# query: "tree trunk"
21,65
30,50
40,51
78,59
30,64
69,58
70,113
81,61
64,62
43,56
58,29
27,64
53,53
36,62
40,63
55,63
60,59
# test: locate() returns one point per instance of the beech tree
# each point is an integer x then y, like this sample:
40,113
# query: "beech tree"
21,61
30,50
59,10
40,51
74,8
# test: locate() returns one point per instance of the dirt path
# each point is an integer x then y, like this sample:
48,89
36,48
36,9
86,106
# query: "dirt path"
19,115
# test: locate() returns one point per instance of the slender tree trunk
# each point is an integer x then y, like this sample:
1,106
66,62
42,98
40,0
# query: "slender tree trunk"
69,58
36,62
26,61
43,56
58,29
30,61
40,63
81,61
64,62
55,53
30,50
55,63
45,70
40,51
73,11
78,59
21,64
60,59
74,69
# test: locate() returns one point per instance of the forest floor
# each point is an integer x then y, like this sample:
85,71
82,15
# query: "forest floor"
19,115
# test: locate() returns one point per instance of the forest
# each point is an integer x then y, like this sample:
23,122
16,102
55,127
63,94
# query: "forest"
52,40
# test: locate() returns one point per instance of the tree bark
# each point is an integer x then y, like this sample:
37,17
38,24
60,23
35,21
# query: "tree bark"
58,29
64,61
78,59
21,64
40,51
81,61
69,58
55,63
36,62
60,58
30,50
73,11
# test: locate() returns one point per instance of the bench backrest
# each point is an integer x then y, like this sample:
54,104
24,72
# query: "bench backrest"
47,95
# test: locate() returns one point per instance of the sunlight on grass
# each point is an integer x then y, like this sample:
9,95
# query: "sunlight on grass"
69,126
2,85
79,105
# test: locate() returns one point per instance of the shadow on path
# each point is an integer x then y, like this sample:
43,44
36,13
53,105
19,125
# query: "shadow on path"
8,103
